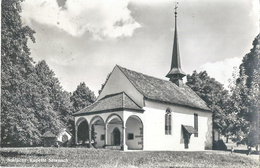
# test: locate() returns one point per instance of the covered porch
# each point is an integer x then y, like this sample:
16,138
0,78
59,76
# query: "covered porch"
105,126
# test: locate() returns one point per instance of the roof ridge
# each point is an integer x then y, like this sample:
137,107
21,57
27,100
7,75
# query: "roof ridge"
90,106
144,74
110,95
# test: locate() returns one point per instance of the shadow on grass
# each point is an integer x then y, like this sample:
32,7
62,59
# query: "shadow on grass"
15,154
246,152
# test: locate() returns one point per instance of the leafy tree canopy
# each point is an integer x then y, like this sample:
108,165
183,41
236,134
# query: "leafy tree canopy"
245,96
32,100
82,97
216,97
103,85
210,90
18,120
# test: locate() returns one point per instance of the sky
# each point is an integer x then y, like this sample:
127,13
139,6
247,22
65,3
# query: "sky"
83,40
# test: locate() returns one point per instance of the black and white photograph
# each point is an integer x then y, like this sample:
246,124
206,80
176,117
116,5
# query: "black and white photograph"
128,83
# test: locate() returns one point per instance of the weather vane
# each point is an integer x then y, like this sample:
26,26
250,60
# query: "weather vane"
175,8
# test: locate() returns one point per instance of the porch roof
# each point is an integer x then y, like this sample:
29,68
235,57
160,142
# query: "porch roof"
118,101
190,129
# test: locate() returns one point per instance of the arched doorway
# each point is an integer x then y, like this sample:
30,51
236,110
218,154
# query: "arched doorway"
116,136
114,125
134,133
83,132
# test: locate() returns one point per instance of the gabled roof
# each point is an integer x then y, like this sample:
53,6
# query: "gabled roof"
48,134
118,101
164,91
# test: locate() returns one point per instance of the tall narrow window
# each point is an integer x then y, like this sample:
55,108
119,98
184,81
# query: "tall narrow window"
196,124
168,126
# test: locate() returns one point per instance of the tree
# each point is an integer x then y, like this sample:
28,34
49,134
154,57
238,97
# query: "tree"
16,67
102,86
32,100
82,97
216,97
245,96
58,100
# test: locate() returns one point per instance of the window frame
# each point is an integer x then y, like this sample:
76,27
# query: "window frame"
196,124
168,122
132,134
102,137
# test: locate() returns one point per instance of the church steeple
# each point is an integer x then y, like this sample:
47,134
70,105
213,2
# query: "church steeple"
176,73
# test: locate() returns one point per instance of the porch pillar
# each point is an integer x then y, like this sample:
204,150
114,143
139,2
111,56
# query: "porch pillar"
105,130
124,146
76,135
89,137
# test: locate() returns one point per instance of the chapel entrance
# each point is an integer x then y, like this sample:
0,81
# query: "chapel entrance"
115,131
116,136
186,140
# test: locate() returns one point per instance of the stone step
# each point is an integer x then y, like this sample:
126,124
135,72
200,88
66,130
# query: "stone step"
113,147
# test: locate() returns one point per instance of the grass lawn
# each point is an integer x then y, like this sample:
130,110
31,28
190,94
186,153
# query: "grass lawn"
84,157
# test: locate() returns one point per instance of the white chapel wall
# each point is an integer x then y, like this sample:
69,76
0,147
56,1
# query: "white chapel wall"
154,132
136,127
99,130
118,82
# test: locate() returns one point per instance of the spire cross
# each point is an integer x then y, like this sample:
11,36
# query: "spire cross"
175,8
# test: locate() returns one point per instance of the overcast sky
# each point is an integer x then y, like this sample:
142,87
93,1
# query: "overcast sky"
83,40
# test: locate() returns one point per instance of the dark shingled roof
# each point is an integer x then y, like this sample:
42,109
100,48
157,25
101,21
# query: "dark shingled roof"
164,91
190,129
48,134
111,102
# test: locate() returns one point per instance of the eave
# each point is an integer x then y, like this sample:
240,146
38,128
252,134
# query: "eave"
108,111
176,104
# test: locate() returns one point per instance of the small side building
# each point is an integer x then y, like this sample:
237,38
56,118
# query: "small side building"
60,139
49,139
63,137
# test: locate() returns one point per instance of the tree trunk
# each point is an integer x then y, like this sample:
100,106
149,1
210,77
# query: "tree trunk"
227,138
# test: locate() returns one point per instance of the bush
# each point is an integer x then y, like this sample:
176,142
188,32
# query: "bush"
219,145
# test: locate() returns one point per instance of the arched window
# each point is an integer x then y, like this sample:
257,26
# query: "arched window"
168,125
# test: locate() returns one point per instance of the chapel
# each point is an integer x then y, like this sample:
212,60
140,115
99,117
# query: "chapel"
135,111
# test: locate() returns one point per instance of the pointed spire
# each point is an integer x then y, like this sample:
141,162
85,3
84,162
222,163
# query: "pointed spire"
176,73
